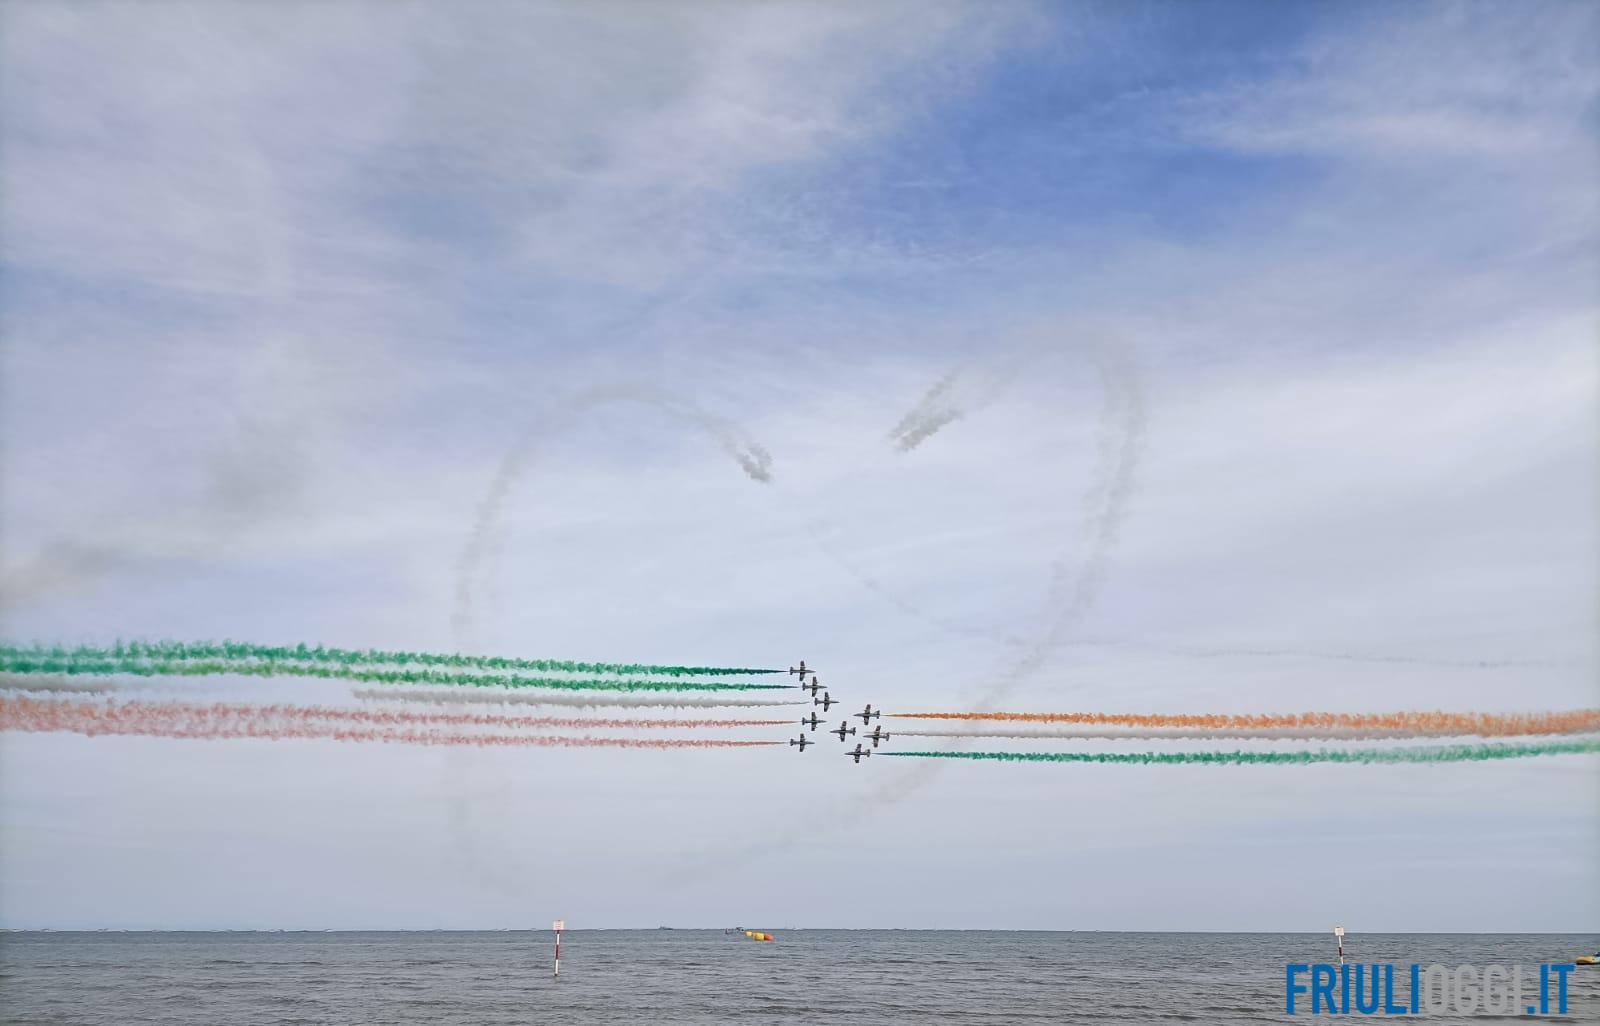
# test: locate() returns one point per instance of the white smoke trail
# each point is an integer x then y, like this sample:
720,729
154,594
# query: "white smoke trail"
57,685
479,696
69,685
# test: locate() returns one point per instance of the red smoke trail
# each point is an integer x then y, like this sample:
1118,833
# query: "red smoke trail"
221,721
1431,723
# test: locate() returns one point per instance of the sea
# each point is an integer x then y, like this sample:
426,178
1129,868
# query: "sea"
662,976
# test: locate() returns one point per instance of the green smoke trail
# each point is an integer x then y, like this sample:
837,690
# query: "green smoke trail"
11,663
1361,756
184,651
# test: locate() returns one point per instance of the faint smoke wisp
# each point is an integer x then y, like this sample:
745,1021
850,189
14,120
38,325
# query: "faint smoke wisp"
751,456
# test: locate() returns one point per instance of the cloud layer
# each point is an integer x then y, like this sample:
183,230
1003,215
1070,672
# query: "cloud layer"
289,288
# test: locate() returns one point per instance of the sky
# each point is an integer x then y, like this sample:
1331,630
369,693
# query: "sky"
1255,347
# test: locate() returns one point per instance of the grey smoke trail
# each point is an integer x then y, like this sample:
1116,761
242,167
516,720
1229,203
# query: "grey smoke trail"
931,413
476,553
258,476
961,393
491,697
1120,439
1072,594
751,457
815,528
924,428
957,394
1119,443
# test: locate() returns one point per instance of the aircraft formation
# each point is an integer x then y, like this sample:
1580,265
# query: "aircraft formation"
844,731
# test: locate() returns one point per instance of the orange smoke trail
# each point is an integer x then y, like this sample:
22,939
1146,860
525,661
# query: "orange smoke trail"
224,721
1432,723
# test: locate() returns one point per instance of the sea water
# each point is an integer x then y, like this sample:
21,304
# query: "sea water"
855,977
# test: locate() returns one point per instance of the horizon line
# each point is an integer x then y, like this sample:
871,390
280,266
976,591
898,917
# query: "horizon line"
835,929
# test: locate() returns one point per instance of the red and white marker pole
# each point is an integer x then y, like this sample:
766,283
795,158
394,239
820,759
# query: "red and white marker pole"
558,926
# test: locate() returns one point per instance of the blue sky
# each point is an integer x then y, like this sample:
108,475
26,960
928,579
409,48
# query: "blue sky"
1273,327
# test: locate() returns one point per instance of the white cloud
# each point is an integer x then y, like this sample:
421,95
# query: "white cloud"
1446,82
288,383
